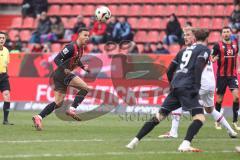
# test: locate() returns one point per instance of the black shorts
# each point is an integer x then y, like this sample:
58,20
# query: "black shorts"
181,97
61,80
223,82
4,82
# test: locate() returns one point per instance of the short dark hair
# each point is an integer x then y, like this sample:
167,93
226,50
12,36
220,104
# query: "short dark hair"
200,34
82,29
3,33
226,27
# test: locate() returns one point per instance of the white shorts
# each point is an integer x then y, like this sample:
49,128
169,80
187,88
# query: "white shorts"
206,98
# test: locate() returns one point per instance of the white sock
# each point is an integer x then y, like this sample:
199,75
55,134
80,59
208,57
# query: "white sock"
218,117
176,115
39,117
72,108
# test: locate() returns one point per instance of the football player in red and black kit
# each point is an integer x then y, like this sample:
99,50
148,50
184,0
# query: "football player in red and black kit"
225,53
67,60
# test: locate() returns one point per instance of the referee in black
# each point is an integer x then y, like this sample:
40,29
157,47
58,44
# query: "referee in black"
4,82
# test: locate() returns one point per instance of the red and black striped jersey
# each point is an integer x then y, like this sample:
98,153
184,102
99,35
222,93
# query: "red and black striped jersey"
70,56
227,54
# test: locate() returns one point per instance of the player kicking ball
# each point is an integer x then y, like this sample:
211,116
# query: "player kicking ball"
206,99
184,75
67,60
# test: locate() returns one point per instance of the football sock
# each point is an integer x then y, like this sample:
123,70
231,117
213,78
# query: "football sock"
235,111
6,108
218,106
147,127
218,117
79,98
48,109
193,130
176,115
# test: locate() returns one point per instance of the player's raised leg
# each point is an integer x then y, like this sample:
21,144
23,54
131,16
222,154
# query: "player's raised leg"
37,119
83,88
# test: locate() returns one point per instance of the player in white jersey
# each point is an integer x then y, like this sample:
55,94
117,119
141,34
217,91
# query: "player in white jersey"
206,94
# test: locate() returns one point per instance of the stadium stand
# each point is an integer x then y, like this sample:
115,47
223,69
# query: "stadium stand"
148,18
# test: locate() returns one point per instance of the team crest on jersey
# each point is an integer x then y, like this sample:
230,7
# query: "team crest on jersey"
65,51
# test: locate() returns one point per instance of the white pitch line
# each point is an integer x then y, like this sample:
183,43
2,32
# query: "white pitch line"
110,140
101,154
53,140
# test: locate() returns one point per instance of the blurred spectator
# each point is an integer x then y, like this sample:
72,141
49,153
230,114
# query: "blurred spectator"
234,35
122,30
43,27
97,32
56,32
133,49
34,8
91,23
147,48
235,2
110,27
16,45
173,31
38,48
79,24
235,17
160,49
95,49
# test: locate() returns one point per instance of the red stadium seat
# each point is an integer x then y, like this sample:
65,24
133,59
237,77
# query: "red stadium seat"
162,35
206,10
217,23
25,35
229,10
12,34
214,37
135,10
17,22
72,22
54,10
195,21
182,21
65,22
123,10
77,9
153,36
205,23
28,22
143,23
174,48
55,47
219,10
66,10
182,10
133,22
163,24
148,9
88,10
113,9
159,10
155,23
140,36
87,20
194,10
170,9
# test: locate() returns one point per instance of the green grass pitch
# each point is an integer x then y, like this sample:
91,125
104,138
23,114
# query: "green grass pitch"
105,138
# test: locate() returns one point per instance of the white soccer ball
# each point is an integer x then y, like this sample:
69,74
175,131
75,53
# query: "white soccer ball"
102,14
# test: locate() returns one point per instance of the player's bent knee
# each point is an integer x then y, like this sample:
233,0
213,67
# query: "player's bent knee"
163,112
199,117
6,96
209,109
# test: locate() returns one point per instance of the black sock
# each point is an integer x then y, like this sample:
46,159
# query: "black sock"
6,108
48,109
79,98
218,106
235,111
148,126
193,129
